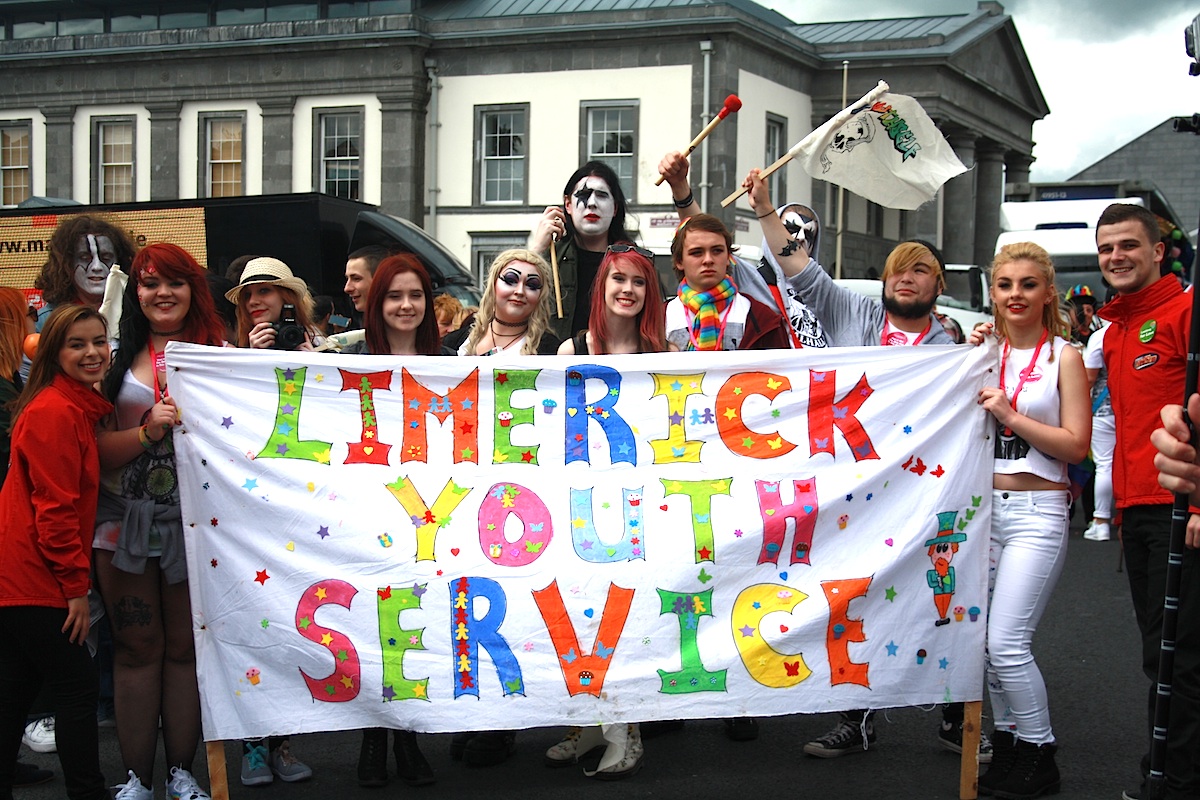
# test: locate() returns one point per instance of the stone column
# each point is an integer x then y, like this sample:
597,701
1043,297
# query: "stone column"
402,149
958,202
1016,180
277,144
989,192
164,149
60,122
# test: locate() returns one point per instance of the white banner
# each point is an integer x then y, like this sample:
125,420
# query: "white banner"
884,148
450,544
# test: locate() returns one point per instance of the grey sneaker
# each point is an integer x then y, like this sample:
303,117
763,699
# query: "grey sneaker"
847,737
255,771
286,766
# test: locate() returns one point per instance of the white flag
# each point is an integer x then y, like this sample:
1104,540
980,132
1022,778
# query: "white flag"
884,148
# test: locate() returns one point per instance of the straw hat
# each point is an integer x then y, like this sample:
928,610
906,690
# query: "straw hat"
267,270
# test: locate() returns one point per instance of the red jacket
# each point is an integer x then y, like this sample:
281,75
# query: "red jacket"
48,503
1145,354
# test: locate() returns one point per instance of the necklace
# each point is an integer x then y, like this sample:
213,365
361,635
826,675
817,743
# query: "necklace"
166,333
504,324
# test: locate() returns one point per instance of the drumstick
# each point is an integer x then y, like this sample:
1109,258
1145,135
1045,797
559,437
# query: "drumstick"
554,269
732,104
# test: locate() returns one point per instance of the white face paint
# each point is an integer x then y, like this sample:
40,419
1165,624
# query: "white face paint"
802,228
94,255
591,206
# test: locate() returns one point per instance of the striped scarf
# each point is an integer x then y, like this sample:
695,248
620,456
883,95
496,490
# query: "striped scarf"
706,308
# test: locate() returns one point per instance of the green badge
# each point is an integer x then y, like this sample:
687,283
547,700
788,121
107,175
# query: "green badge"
1148,329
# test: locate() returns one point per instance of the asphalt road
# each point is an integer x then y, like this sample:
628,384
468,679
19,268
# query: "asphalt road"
1087,649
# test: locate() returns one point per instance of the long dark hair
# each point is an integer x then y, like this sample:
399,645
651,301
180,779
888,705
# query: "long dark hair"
428,341
200,326
57,278
598,169
651,319
50,343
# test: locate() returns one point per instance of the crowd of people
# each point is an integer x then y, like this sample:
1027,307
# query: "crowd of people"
91,522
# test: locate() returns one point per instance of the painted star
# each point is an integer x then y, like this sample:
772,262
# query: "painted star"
287,408
304,622
323,531
347,681
676,386
389,693
418,690
747,631
502,378
676,418
890,593
467,427
737,390
226,422
262,577
250,485
943,663
467,453
466,404
326,639
705,553
892,648
321,593
342,655
527,456
289,374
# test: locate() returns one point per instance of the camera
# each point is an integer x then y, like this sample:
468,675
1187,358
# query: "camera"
288,335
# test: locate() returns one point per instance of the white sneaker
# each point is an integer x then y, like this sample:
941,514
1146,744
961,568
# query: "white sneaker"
39,736
133,790
182,786
1098,532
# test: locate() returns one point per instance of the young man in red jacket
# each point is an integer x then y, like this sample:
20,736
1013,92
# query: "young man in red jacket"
1145,353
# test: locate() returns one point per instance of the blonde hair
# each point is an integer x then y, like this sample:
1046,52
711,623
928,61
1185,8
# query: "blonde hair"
539,320
907,255
1054,318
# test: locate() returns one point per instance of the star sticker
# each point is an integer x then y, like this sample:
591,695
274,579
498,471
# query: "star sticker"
389,693
342,655
347,681
213,522
214,563
266,623
943,663
321,593
467,453
614,392
262,577
756,604
737,390
737,533
527,456
586,544
326,639
418,690
704,553
775,413
323,531
226,422
304,622
281,449
729,414
467,427
320,377
890,593
747,631
578,522
466,404
747,442
676,386
287,408
502,377
289,374
676,418
250,485
908,428
414,404
892,647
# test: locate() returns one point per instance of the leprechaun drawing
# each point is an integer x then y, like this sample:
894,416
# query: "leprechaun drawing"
941,552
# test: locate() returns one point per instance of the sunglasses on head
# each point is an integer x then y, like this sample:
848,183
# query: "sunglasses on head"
631,248
533,283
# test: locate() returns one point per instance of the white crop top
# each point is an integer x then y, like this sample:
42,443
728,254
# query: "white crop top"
1039,400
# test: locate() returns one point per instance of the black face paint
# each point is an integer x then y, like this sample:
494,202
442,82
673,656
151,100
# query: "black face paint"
584,195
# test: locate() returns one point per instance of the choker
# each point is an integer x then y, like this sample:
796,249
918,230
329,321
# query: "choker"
166,333
504,324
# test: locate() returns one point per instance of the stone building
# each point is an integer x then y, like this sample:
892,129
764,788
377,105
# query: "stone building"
468,116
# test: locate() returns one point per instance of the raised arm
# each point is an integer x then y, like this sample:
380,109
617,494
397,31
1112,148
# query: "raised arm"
791,253
674,168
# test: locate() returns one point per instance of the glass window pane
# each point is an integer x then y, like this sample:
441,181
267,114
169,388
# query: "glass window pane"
71,27
184,19
289,12
611,139
133,22
240,13
33,29
14,164
347,10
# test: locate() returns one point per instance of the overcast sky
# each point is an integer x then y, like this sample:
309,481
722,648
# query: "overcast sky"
1107,75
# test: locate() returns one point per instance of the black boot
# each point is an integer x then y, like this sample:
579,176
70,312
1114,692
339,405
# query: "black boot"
372,758
1032,775
1004,755
411,766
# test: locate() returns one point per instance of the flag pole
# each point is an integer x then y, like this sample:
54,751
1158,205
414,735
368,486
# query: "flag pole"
841,201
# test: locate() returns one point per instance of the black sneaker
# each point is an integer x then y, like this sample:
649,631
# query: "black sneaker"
1133,794
847,737
489,748
30,775
950,737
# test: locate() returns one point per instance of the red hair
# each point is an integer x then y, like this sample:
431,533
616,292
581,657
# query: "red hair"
202,325
429,342
651,319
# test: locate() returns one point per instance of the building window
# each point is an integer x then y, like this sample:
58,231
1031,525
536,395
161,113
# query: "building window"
776,147
500,132
339,152
611,137
114,149
15,174
486,246
221,151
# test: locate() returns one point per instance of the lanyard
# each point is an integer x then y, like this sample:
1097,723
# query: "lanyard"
720,331
1024,374
883,337
157,359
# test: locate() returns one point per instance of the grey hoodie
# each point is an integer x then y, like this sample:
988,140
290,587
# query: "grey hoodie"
802,222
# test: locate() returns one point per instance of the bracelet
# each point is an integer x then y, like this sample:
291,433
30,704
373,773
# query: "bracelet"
766,214
685,202
144,438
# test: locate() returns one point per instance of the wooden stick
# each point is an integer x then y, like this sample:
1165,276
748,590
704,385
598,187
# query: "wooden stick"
968,776
700,137
783,159
554,269
218,780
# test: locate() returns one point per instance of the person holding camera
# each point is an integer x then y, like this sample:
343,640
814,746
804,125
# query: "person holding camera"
274,308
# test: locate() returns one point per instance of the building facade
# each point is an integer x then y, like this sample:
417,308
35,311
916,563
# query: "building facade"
468,117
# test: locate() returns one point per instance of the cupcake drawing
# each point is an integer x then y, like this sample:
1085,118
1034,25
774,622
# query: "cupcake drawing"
549,405
505,417
921,656
252,675
585,678
958,613
974,612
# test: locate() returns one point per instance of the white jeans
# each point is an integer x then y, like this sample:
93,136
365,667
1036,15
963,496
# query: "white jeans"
1028,546
1104,441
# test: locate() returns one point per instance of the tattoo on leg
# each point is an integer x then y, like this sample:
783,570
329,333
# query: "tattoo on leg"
130,611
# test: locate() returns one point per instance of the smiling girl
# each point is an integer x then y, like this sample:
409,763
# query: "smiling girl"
47,514
1043,423
514,314
627,307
